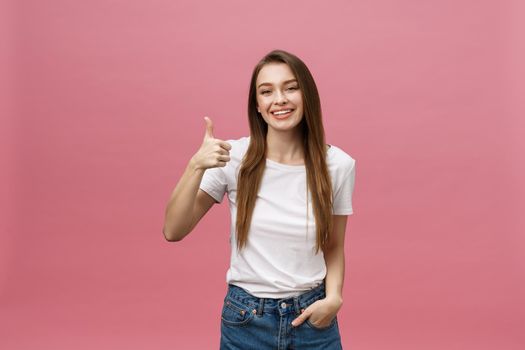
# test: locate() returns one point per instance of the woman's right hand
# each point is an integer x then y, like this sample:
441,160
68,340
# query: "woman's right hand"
213,152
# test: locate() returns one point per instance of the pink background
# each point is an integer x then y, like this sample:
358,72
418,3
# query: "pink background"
103,105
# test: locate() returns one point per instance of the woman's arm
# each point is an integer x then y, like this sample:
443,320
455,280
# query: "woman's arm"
188,203
334,257
180,208
324,310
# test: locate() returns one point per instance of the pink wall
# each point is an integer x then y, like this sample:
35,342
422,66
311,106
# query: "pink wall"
104,105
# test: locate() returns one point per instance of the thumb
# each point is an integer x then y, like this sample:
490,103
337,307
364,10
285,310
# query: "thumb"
209,127
300,319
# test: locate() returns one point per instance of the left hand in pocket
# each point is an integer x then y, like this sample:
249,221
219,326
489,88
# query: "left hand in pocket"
321,312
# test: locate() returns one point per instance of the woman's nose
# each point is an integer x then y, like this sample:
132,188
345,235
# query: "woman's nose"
280,98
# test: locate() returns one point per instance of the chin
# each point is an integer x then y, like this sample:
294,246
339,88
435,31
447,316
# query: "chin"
285,127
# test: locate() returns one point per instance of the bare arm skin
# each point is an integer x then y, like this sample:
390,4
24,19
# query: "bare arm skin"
324,310
188,204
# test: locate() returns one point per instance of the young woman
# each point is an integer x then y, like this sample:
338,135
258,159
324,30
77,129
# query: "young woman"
289,195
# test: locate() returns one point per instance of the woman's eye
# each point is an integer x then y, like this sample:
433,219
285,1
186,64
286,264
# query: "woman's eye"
290,88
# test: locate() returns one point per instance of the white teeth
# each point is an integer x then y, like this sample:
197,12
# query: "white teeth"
282,112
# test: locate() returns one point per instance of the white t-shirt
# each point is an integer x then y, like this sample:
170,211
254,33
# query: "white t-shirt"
279,260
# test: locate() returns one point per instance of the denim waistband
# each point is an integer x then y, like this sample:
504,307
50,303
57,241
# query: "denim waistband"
283,306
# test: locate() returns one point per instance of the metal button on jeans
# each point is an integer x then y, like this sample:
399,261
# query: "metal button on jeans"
283,305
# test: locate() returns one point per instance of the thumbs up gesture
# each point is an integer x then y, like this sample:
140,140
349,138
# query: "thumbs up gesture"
213,152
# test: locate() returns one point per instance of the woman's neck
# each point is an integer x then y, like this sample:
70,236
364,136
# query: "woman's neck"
285,147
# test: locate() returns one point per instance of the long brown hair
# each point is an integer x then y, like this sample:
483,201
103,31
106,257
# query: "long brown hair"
254,161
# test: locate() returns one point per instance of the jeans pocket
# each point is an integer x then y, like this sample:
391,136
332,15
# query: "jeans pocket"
311,325
235,313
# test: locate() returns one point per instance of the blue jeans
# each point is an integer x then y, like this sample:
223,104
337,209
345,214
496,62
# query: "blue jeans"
249,322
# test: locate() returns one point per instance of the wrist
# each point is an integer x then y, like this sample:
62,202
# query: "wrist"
193,165
335,298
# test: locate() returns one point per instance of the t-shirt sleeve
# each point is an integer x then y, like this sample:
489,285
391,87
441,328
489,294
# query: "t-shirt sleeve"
344,190
214,183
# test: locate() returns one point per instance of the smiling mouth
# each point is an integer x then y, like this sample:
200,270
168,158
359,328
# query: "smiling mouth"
281,115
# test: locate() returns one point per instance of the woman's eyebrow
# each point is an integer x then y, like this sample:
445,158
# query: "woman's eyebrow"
284,82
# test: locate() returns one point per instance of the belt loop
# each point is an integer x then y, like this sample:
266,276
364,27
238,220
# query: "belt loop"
296,305
261,306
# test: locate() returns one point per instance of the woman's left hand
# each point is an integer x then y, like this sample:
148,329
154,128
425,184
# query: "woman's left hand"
321,312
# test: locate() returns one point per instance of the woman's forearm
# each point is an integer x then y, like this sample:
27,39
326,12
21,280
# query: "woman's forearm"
179,210
335,270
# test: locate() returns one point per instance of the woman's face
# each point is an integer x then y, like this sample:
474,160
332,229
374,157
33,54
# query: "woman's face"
278,90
